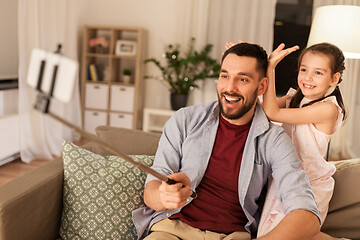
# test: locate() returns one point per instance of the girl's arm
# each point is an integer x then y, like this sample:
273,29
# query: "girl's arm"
323,113
271,104
289,227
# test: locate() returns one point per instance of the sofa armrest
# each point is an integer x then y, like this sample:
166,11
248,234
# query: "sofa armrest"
30,205
343,219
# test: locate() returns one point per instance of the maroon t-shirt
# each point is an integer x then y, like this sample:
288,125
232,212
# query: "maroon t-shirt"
217,206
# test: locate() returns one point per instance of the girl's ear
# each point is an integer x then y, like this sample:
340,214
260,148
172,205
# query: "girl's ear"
263,86
335,79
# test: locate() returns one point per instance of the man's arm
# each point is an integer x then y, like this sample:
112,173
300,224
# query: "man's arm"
161,196
298,224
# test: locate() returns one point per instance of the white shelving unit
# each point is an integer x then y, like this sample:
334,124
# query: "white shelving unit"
109,98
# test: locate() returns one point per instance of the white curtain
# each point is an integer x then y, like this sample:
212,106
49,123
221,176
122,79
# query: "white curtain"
345,143
44,24
218,22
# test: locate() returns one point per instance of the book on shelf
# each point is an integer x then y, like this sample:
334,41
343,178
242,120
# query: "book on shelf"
89,73
93,73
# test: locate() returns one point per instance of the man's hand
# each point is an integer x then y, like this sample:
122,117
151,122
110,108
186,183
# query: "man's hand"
161,196
175,196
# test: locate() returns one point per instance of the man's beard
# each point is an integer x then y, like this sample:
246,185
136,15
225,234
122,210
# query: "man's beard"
246,106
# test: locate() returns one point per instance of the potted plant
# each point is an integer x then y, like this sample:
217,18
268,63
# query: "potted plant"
126,77
182,71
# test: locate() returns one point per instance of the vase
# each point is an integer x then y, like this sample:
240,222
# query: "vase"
178,100
101,49
126,78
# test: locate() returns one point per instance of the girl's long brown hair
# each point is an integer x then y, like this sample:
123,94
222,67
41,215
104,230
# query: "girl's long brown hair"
337,65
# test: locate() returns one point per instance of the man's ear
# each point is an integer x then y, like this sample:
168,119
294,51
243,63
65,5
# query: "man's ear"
263,86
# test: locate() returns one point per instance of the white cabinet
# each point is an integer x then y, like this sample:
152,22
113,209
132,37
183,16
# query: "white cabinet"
9,126
96,95
122,98
9,102
94,119
155,119
9,138
123,120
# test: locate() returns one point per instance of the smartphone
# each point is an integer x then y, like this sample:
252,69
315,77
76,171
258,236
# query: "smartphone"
51,73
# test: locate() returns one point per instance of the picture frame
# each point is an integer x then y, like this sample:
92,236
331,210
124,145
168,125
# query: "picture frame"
125,48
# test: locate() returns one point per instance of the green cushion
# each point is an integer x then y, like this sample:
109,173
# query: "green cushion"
100,194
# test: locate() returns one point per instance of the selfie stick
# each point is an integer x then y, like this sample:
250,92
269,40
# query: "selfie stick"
43,103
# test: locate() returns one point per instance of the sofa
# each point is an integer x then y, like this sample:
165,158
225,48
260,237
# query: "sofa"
31,206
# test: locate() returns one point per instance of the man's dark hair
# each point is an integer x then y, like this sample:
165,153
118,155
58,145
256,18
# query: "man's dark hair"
250,50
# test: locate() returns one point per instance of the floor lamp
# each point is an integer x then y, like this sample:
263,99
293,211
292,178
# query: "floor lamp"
338,25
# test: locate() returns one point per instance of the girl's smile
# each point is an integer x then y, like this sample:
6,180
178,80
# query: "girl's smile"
308,86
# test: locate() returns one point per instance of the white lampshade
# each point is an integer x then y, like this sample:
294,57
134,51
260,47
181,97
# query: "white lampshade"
338,25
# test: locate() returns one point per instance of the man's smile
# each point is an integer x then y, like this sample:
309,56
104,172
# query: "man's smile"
231,99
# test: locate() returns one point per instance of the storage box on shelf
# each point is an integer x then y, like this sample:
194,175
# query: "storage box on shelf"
109,98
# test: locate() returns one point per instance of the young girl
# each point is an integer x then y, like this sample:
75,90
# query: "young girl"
310,116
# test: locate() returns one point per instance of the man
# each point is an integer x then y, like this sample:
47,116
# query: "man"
225,151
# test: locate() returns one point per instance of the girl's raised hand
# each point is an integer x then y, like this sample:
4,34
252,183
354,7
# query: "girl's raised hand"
279,53
230,44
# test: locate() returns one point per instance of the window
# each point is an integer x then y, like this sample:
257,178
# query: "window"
292,27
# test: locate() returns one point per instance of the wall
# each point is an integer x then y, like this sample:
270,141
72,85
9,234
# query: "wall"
8,39
158,17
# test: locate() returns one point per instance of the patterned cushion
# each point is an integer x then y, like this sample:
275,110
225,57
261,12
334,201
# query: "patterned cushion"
100,194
